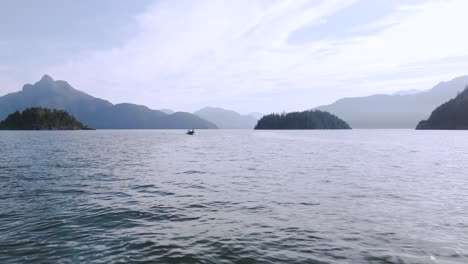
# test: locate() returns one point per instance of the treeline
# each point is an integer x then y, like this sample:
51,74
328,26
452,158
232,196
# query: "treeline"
302,120
38,118
450,115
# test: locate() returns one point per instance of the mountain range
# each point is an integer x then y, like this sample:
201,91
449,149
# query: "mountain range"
224,118
95,112
227,119
401,110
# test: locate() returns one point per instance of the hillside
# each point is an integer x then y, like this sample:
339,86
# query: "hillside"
450,115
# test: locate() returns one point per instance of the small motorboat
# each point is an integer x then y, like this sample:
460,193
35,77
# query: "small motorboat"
191,132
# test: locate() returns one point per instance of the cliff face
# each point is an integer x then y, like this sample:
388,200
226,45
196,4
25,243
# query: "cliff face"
38,118
302,120
450,115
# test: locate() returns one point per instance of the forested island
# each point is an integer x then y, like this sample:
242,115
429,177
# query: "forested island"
451,115
302,120
38,118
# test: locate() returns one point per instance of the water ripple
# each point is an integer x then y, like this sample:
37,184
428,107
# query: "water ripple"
234,197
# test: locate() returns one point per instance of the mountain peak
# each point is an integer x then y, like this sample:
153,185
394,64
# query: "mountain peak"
48,84
45,82
46,79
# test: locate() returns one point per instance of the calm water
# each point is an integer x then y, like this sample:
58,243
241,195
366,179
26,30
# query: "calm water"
361,196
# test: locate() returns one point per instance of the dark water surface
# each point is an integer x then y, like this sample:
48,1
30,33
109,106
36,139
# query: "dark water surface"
360,196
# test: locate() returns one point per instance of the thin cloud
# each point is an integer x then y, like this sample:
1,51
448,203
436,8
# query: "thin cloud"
203,52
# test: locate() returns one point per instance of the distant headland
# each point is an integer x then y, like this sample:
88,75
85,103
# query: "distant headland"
452,115
302,120
38,118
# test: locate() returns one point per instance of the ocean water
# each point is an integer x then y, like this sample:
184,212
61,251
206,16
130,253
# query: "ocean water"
227,196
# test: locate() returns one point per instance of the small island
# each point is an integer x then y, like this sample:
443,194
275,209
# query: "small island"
302,120
38,118
452,115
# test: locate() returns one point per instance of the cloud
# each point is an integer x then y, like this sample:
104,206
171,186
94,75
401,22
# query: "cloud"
239,54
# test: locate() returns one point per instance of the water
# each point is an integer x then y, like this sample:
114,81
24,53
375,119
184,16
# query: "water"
360,196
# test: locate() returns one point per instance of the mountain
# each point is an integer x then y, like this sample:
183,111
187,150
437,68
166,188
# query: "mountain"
256,115
38,118
226,118
407,92
167,111
302,120
94,112
450,115
394,111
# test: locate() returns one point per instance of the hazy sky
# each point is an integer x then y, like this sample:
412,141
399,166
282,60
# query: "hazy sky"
246,55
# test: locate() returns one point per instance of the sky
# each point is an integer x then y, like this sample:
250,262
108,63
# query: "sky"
245,55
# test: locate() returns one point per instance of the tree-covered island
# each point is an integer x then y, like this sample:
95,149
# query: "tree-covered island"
38,118
302,120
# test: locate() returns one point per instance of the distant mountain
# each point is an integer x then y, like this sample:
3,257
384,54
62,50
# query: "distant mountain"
302,120
394,111
256,115
407,92
38,118
226,118
167,111
94,112
450,115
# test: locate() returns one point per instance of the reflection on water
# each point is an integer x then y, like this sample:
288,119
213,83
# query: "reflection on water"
375,196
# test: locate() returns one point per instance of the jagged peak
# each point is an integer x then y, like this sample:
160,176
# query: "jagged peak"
46,79
49,84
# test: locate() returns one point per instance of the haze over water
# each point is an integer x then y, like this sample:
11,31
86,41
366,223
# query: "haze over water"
228,196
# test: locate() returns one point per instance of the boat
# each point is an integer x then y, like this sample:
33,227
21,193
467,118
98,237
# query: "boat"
191,132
